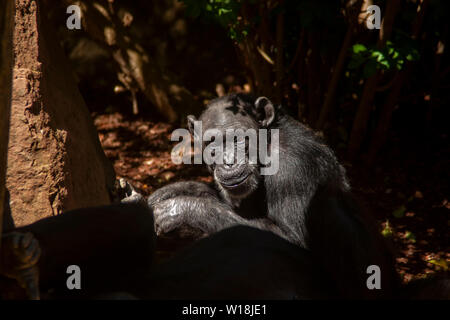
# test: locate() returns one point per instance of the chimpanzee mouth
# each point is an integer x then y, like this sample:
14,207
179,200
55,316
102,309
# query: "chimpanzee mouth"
235,184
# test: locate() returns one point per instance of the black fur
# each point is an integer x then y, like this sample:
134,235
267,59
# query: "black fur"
113,246
238,263
308,201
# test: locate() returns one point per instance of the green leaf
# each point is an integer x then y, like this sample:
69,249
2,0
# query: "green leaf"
232,33
357,48
410,236
387,232
440,263
385,63
378,55
413,56
223,11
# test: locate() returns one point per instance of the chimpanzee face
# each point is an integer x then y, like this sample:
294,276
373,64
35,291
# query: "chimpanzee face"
237,174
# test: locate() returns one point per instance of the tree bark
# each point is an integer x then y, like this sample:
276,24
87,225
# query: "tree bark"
251,47
332,87
312,64
438,74
336,75
55,160
6,59
300,60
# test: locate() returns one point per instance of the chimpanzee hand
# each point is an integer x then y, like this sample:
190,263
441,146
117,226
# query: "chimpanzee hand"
188,204
124,192
182,204
197,206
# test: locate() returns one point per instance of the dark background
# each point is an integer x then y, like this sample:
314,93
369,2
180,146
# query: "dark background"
379,97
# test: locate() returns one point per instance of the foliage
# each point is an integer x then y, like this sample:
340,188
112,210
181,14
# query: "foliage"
441,263
387,231
410,236
308,14
371,58
225,12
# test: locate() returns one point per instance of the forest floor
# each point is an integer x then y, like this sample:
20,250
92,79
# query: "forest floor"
407,190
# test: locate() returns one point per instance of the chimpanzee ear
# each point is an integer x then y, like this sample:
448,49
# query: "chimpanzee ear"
266,110
190,123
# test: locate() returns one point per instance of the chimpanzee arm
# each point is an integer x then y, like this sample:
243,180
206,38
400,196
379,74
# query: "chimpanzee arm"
183,188
197,205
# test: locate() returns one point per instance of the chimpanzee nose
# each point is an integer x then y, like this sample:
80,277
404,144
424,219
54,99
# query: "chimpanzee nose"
229,165
229,160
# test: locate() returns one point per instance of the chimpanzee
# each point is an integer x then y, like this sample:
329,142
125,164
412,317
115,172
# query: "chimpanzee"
114,247
307,201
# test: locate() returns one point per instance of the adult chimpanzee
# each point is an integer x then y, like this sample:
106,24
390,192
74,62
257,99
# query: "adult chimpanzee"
307,201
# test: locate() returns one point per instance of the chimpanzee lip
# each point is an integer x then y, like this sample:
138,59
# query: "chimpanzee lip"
235,184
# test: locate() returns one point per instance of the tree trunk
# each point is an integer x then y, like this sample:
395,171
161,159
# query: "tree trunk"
279,61
312,64
437,76
137,70
252,46
336,75
384,121
55,160
363,113
332,87
300,60
6,59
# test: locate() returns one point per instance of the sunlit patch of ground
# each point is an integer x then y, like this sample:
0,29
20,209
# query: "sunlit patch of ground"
140,152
